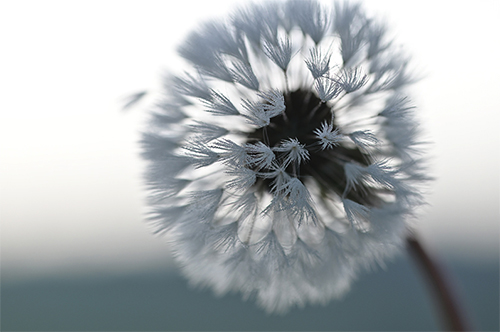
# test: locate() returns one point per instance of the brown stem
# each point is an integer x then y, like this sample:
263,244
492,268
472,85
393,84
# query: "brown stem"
453,319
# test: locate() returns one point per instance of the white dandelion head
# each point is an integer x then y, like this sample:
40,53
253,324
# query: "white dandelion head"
287,156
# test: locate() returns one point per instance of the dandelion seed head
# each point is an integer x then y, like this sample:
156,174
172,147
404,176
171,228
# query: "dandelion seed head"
317,63
327,88
293,151
287,156
328,136
351,80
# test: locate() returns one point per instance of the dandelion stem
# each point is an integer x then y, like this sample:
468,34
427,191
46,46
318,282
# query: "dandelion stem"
266,137
249,236
313,111
287,88
452,317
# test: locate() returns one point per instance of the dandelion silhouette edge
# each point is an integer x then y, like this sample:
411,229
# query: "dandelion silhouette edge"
286,158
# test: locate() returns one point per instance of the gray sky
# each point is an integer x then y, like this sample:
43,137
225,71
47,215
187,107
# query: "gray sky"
70,179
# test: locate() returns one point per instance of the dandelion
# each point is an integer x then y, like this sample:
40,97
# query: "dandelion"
287,157
328,136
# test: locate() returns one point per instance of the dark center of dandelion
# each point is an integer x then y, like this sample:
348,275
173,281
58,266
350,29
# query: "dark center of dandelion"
303,115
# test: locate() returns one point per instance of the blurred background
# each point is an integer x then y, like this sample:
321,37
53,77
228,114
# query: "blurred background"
75,253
